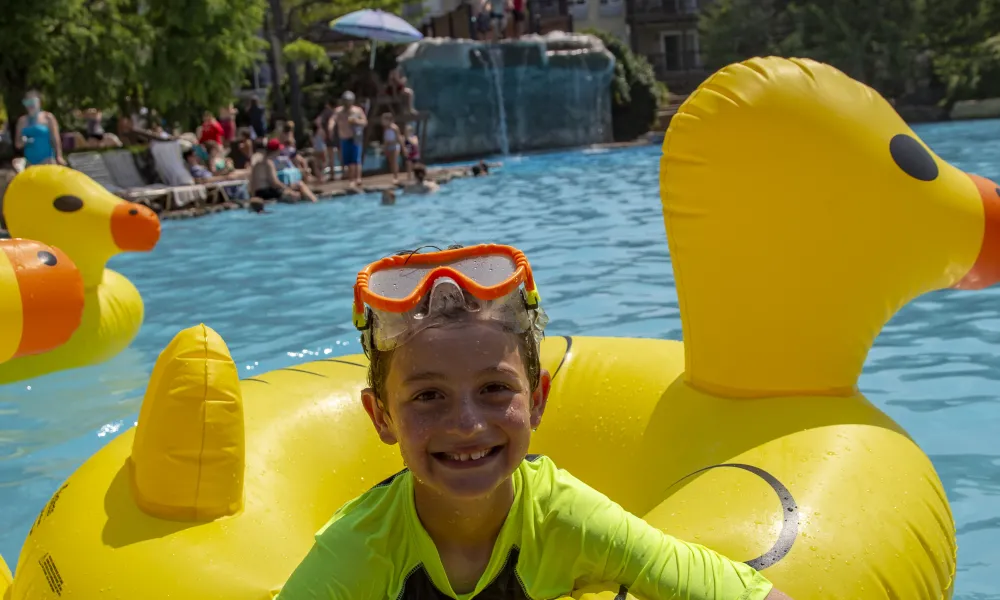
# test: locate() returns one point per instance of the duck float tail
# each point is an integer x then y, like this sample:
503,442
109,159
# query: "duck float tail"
67,209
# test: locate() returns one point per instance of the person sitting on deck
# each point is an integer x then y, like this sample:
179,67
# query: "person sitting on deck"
265,184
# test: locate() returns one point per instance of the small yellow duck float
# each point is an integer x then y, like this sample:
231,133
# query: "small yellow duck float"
41,298
67,209
801,213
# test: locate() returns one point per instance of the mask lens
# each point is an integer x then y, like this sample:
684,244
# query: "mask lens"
399,282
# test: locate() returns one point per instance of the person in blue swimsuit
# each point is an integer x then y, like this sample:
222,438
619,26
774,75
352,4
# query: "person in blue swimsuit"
38,133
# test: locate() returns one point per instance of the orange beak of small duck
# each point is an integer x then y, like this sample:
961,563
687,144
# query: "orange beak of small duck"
135,228
986,270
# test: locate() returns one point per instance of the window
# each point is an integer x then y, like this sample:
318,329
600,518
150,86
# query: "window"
611,8
693,51
578,8
673,50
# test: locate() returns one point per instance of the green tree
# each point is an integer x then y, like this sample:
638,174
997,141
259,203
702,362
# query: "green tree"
90,53
634,90
199,52
293,23
879,43
734,30
962,36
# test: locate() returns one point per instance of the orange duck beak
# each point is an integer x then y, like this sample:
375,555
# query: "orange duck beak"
986,270
135,228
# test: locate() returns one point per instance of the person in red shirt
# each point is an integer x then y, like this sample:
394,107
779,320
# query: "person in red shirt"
211,130
516,24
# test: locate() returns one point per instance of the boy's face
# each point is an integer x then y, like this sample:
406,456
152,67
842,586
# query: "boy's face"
460,407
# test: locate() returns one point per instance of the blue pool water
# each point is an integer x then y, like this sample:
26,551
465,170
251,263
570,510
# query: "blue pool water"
277,288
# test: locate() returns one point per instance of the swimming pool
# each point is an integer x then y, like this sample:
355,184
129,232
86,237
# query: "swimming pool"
277,288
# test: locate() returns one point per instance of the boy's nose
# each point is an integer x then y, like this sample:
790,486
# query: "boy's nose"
467,416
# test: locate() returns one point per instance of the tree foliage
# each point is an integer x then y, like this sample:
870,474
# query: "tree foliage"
177,56
903,48
200,53
634,90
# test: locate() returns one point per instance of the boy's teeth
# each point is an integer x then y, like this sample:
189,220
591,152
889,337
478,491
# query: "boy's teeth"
464,457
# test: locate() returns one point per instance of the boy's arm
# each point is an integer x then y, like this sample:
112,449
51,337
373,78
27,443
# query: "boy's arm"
619,547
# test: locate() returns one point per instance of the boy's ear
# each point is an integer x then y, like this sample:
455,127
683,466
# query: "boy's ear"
540,398
379,416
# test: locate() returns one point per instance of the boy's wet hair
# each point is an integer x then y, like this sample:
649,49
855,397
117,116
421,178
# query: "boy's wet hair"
419,171
380,360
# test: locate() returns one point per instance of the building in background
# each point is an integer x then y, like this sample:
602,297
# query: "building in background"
666,33
603,15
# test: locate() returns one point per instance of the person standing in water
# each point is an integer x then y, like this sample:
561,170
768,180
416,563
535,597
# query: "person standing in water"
38,133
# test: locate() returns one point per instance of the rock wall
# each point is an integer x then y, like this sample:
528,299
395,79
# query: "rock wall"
534,93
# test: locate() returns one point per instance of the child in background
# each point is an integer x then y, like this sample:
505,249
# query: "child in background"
392,139
217,163
411,149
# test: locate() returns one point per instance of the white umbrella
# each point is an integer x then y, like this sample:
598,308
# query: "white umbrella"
376,26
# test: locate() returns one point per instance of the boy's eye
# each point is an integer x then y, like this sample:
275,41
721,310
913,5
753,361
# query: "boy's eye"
496,388
427,396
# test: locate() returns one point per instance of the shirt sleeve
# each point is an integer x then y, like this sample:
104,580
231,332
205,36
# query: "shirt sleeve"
312,580
619,547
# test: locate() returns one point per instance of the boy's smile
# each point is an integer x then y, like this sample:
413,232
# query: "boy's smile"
460,407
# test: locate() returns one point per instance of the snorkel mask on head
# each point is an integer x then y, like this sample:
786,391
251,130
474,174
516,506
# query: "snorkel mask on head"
399,296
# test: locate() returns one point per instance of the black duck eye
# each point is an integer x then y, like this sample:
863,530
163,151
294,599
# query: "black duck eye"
67,204
911,156
47,258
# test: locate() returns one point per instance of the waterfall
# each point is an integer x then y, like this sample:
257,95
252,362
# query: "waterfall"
496,70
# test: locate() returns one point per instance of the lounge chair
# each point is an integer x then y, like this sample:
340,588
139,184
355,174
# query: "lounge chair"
92,165
121,165
170,165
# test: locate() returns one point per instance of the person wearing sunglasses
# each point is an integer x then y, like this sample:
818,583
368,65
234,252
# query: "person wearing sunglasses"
455,380
38,133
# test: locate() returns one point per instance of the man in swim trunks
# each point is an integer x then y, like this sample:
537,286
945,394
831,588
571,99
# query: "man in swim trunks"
457,383
350,122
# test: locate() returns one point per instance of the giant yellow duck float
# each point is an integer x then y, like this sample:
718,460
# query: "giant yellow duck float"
67,209
801,213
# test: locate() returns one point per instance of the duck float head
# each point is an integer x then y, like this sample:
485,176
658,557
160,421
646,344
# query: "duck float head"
833,213
67,209
41,298
801,213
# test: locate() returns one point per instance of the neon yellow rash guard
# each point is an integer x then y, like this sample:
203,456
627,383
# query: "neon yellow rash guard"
560,535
